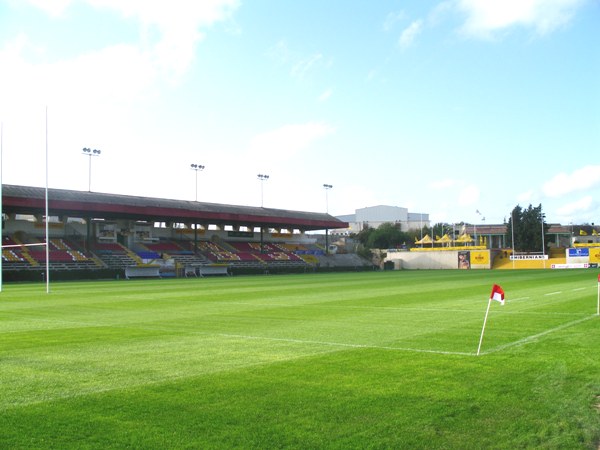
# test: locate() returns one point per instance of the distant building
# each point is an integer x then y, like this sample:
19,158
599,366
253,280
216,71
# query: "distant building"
374,216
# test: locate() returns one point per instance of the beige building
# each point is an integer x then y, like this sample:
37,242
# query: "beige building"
374,216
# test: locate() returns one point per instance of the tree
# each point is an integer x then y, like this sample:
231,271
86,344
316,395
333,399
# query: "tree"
529,229
363,235
387,235
442,228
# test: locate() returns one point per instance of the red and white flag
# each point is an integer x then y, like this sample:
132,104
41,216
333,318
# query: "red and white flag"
497,294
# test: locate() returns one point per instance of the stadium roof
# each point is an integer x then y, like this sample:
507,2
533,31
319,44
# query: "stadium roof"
62,202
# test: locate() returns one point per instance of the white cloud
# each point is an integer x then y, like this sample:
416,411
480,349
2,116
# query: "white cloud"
300,64
90,96
485,17
454,193
444,183
526,197
392,19
114,73
177,13
410,33
178,22
54,8
468,195
577,207
325,95
280,52
303,66
288,140
111,76
585,178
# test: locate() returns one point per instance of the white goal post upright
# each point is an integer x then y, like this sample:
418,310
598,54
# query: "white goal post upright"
45,244
1,212
47,218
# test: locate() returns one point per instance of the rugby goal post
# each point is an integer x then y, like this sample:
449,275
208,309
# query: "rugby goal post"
46,244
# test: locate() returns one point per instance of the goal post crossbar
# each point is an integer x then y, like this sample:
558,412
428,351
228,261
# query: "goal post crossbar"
24,245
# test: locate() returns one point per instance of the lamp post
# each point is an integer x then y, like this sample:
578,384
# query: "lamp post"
482,219
327,187
89,153
197,168
262,177
542,216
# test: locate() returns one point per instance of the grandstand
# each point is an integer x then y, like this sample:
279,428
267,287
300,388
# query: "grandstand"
93,235
97,234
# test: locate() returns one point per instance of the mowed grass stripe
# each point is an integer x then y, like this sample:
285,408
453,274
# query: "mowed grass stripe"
381,360
88,337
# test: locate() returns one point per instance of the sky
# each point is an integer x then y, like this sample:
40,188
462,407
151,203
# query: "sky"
461,109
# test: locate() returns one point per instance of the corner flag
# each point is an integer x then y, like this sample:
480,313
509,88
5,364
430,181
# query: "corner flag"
497,294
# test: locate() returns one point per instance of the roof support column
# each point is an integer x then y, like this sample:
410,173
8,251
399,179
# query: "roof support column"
195,238
89,233
262,239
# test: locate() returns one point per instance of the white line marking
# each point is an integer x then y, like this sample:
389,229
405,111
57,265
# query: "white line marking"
554,293
532,338
342,344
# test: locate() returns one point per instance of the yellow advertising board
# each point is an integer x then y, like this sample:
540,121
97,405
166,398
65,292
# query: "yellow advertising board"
595,255
481,257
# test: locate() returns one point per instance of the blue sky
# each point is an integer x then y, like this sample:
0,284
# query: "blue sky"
444,107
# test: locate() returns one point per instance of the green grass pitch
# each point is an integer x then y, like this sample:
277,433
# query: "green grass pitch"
350,360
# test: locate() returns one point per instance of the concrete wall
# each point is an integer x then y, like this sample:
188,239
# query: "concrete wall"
480,259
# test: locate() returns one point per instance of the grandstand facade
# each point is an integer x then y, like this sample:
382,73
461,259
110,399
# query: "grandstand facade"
140,236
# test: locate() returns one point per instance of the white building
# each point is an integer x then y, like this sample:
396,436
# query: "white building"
374,216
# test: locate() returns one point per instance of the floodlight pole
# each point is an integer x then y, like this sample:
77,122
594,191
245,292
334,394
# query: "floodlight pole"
197,168
327,187
262,177
89,153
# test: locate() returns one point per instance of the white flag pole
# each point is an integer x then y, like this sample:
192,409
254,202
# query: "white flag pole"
483,328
